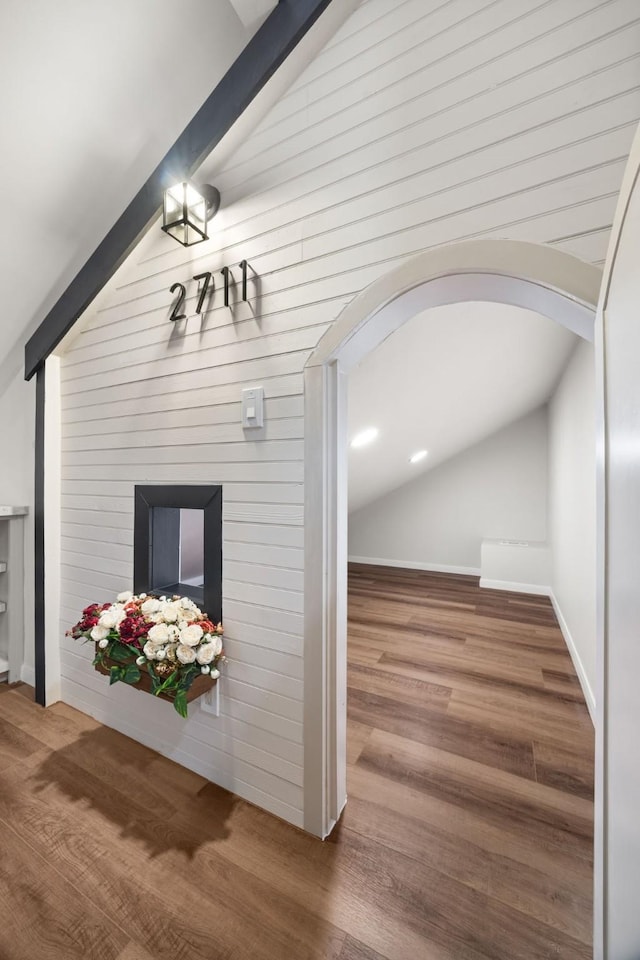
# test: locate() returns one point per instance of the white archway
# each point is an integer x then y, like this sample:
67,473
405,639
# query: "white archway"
522,274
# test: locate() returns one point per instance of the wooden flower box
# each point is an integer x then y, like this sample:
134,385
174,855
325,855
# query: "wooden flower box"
199,686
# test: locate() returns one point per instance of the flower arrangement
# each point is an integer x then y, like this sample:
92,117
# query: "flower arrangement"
162,644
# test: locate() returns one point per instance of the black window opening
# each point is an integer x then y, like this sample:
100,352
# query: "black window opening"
177,547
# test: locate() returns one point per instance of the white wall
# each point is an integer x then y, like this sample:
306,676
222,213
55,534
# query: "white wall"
101,135
572,506
495,489
413,127
17,416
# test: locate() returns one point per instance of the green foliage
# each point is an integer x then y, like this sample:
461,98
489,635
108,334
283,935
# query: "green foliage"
166,686
115,674
120,652
180,702
131,673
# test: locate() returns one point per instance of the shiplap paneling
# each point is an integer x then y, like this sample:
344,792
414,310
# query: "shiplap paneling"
420,123
189,399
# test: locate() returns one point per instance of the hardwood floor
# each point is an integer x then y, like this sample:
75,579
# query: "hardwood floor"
467,835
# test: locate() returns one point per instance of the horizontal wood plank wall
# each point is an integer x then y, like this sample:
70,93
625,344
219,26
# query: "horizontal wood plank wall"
419,124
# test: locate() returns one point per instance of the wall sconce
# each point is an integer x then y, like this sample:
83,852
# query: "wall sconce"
187,211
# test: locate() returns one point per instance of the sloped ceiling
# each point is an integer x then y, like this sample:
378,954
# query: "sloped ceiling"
253,11
92,95
445,380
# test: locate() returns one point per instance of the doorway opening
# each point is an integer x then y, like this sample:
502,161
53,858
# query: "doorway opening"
530,276
462,700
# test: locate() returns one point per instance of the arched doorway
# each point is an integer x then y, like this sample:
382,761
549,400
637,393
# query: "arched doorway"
535,277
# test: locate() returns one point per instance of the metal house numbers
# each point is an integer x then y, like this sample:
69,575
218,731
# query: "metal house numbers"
207,285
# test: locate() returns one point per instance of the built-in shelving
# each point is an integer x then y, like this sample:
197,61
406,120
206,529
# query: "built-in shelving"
11,591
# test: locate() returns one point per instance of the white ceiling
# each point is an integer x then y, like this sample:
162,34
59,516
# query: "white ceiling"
252,11
92,95
446,379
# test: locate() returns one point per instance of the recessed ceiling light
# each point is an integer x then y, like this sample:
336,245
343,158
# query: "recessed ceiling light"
418,456
365,437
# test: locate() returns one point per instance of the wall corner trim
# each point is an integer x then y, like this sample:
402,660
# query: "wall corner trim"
575,657
538,590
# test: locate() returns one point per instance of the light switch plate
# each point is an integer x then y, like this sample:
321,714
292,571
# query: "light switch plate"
252,407
210,701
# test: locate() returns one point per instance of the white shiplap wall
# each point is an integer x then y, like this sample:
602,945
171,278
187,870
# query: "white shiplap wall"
420,124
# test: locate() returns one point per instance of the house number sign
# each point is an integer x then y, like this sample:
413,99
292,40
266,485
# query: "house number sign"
207,283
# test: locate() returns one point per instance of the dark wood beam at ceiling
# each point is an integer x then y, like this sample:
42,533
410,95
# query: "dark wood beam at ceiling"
266,51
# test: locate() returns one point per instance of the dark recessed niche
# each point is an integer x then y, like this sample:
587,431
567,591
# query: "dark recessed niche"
178,543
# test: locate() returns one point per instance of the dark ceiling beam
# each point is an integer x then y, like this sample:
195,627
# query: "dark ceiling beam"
266,51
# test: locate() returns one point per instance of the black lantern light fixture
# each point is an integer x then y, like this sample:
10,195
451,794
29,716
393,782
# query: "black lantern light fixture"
187,210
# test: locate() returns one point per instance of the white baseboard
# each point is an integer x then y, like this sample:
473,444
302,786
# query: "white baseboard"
514,587
415,565
577,662
28,674
538,590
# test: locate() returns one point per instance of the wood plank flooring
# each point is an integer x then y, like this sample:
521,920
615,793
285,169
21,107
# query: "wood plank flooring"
467,835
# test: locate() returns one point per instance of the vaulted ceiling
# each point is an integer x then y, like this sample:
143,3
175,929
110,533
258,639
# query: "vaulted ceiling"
445,380
92,95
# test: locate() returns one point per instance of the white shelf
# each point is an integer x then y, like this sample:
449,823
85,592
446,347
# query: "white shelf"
12,525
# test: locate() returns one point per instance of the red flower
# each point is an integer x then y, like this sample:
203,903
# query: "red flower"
133,629
128,629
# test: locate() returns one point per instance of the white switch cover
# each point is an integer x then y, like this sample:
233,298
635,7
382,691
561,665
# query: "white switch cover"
253,407
210,701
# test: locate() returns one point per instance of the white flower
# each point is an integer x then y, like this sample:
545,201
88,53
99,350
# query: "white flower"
216,643
150,650
205,653
170,612
187,604
205,669
191,636
151,605
142,596
103,643
171,651
112,617
214,674
173,631
161,653
141,661
185,654
159,633
124,597
99,633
